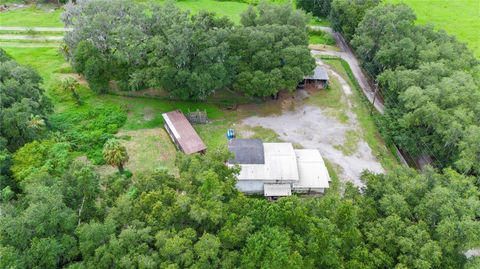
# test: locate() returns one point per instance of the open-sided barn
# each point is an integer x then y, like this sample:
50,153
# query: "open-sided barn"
182,133
319,79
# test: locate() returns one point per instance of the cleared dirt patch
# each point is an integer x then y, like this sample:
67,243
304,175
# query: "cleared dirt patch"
327,122
312,127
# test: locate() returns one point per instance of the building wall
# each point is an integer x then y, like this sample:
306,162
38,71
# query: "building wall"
250,186
308,190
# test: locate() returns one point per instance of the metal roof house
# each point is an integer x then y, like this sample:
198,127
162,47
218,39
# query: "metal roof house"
282,171
319,79
182,133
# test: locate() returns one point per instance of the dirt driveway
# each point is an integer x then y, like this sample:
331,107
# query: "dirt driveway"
340,142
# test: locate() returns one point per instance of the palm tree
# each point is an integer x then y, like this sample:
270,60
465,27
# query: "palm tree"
115,154
71,85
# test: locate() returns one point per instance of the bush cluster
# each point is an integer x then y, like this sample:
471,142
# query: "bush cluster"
88,128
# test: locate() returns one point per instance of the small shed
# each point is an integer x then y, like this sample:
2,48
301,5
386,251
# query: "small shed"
319,79
182,133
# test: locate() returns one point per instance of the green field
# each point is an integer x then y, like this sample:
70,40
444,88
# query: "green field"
31,16
47,16
458,17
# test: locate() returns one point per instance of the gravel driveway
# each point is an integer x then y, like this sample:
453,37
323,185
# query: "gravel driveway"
314,127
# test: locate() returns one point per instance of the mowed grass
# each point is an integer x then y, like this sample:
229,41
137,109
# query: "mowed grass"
458,17
229,9
320,37
45,16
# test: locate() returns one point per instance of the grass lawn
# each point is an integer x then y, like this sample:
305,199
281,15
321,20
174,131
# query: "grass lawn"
320,37
223,8
46,16
458,17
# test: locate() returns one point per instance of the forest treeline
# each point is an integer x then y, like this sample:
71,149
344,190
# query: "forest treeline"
430,81
189,56
68,216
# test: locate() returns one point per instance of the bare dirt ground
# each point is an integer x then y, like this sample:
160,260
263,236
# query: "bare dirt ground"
340,142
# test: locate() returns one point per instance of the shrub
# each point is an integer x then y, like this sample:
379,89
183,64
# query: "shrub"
89,128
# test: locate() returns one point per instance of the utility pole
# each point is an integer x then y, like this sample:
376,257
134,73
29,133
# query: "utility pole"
375,91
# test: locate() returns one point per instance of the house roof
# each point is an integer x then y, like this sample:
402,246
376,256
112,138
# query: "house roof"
246,151
318,74
280,164
277,190
183,132
312,170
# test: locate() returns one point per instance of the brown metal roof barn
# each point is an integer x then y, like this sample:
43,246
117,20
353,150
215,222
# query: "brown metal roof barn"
182,133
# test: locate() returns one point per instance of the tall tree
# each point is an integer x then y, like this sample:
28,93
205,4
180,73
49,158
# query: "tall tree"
271,50
320,8
23,104
346,14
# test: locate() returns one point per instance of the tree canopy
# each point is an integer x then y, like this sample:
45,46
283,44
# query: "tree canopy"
189,56
199,220
23,104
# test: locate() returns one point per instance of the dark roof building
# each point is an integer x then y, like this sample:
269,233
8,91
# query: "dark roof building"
182,133
246,151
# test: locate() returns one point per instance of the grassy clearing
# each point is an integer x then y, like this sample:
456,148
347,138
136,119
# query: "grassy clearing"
48,16
362,108
47,61
458,17
351,143
45,16
320,37
143,134
148,150
223,8
333,170
332,100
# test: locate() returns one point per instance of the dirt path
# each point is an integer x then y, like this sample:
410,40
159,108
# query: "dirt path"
341,143
347,54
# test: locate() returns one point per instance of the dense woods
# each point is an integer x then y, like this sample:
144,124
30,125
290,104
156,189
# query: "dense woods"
72,217
429,81
191,57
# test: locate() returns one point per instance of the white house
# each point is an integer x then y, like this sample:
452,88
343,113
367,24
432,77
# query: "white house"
277,169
